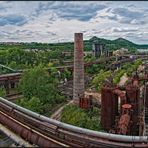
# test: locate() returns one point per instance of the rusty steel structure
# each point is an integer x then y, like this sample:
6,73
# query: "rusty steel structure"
118,93
133,97
45,132
123,127
121,108
85,102
109,107
146,101
78,76
9,80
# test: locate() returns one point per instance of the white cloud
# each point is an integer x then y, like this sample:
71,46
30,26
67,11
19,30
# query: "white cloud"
53,21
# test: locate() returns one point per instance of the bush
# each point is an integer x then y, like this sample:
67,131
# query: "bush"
37,83
74,115
2,92
118,74
33,104
133,67
100,78
40,90
127,68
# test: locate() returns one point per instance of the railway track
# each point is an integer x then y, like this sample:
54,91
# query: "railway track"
44,132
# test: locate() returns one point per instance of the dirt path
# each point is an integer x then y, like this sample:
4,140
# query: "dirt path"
57,114
123,79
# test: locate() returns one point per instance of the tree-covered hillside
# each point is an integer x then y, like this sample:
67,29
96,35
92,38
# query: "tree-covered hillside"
110,44
117,43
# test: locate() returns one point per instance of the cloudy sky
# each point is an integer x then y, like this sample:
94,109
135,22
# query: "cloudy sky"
57,21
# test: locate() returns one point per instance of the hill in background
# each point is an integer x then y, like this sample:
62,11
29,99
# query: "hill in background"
117,43
109,44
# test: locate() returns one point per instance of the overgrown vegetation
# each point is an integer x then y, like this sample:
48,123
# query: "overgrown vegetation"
90,119
28,55
98,80
127,68
2,92
39,90
74,115
22,59
118,74
133,67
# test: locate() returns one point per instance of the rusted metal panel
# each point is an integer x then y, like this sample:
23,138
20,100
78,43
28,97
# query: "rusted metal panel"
9,80
24,133
124,121
146,97
123,124
85,102
105,110
133,94
122,96
109,107
34,138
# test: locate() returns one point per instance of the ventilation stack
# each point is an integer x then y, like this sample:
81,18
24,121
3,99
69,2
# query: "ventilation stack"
78,79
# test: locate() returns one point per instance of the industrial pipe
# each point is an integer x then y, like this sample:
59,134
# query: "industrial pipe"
14,137
120,94
114,137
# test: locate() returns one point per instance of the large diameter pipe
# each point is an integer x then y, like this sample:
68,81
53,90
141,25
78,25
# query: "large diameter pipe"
14,137
78,77
109,136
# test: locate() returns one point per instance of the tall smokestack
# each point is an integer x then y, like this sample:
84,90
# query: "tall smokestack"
78,81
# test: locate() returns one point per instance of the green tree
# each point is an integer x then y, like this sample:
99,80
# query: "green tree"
2,92
13,65
99,79
35,105
38,83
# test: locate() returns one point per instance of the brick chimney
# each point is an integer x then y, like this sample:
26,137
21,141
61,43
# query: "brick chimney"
78,77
